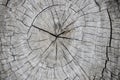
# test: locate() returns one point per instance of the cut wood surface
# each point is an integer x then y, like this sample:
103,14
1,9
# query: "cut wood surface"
59,40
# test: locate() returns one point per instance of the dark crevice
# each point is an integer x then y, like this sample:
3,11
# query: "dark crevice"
58,35
7,2
98,5
107,47
111,28
44,30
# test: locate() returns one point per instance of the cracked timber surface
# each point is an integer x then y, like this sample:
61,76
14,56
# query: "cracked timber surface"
59,40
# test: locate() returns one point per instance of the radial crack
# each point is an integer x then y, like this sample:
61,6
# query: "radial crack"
44,30
69,38
48,47
74,59
7,2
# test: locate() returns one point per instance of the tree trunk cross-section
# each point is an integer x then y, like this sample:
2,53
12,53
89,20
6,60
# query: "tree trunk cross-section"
59,40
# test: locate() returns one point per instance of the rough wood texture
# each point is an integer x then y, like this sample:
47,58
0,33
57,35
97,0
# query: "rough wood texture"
59,40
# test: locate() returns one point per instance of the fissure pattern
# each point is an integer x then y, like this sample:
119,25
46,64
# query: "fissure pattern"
59,40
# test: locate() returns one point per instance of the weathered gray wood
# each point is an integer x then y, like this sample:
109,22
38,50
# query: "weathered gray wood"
59,40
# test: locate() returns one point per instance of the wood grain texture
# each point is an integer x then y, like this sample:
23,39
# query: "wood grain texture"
59,40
